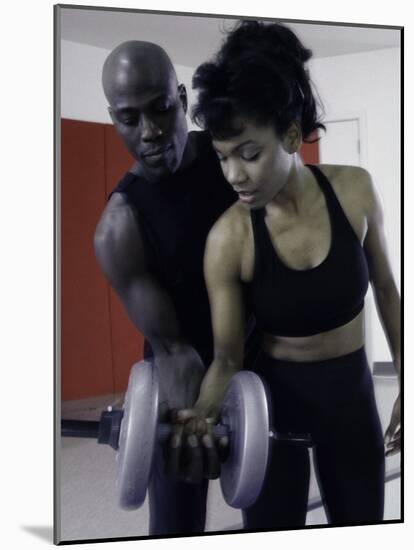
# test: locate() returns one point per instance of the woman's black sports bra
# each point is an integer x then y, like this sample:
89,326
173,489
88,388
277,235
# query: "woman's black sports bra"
290,302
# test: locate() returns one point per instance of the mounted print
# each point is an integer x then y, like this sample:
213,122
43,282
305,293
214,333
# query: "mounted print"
228,274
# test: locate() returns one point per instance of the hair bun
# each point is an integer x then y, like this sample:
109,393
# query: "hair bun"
276,40
209,75
259,72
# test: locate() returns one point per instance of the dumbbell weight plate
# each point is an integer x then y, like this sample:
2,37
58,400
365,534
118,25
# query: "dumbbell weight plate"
246,414
137,435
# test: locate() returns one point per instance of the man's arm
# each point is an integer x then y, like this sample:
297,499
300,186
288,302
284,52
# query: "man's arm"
120,253
386,296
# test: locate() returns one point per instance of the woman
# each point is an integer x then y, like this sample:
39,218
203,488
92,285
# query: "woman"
300,248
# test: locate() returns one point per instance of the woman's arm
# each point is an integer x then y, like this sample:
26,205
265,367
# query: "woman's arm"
386,296
222,262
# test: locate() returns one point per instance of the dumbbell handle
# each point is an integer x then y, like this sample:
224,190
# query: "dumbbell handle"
221,430
79,428
92,429
301,439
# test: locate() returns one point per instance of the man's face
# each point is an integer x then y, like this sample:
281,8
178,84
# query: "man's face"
148,111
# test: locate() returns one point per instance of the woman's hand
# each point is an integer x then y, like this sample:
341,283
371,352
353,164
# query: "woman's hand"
392,438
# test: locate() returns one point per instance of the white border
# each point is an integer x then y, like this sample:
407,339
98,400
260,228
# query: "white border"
27,256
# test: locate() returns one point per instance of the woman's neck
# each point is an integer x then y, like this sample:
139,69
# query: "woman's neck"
293,194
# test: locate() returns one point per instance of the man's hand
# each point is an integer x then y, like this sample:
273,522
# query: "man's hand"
392,438
195,453
180,374
192,453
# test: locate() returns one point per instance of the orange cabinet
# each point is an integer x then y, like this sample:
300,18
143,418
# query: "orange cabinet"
98,342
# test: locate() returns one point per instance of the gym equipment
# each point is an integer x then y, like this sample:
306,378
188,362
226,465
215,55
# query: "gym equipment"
245,414
137,436
135,431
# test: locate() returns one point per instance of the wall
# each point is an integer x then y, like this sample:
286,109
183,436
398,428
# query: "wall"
365,84
82,97
368,85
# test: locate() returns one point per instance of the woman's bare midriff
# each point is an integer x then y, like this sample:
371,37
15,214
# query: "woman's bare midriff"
326,345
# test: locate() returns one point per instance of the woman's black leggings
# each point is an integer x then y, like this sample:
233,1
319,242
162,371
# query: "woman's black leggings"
334,401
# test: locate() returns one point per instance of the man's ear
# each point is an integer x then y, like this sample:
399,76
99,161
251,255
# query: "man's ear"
182,93
292,140
111,113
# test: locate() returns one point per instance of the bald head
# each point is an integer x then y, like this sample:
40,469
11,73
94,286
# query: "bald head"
143,63
147,106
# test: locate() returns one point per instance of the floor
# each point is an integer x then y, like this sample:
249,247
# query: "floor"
88,509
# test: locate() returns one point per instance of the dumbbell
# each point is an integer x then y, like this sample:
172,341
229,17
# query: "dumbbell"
135,431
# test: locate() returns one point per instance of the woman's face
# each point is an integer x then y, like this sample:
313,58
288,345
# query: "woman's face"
255,163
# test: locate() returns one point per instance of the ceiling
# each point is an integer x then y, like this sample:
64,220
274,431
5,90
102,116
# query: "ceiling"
107,28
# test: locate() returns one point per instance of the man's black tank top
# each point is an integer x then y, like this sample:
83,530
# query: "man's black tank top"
175,216
290,302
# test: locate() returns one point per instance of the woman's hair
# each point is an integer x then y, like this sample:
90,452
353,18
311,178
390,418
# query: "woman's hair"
259,73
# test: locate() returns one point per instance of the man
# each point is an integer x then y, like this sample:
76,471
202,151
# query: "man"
150,244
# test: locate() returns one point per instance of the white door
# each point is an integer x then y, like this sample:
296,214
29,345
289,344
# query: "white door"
340,144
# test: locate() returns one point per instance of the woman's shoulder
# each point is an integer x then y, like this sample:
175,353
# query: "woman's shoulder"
344,174
225,245
231,229
233,221
349,181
